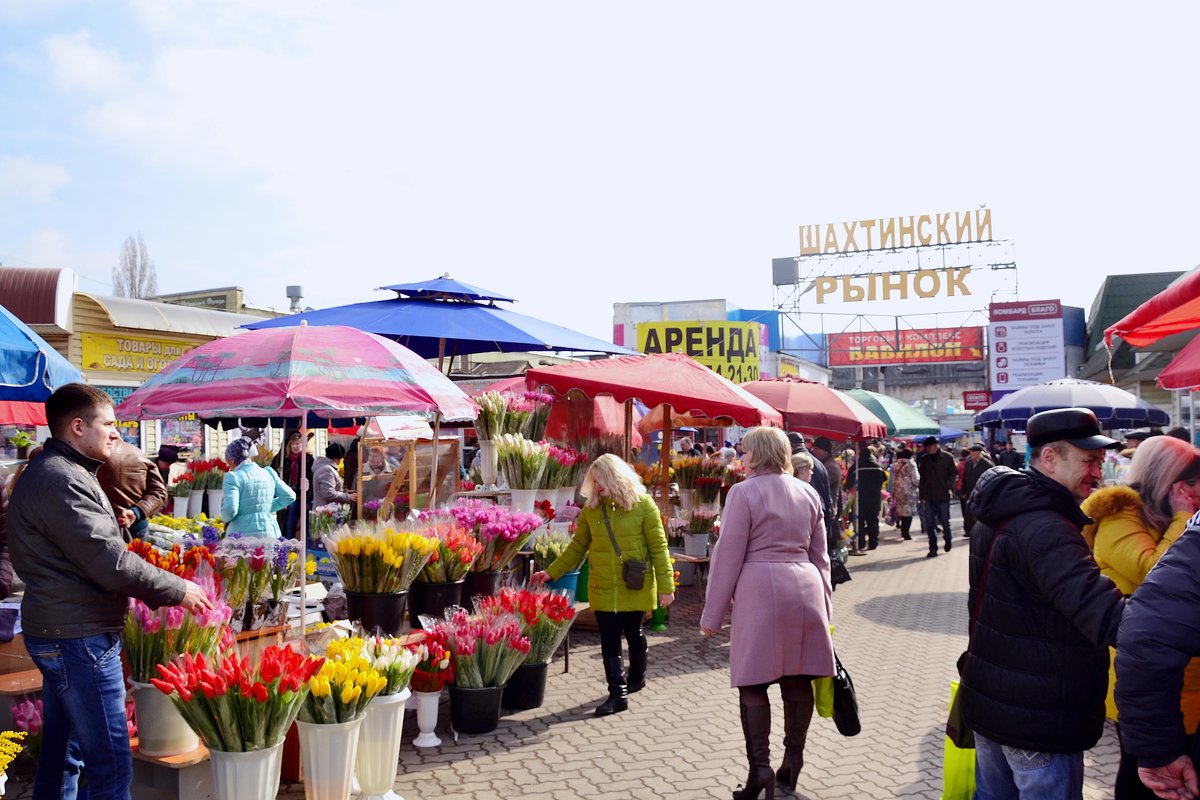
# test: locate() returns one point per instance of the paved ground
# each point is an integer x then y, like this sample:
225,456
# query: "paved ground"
900,626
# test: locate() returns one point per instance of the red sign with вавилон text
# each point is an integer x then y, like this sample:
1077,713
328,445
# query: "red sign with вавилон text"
976,401
916,346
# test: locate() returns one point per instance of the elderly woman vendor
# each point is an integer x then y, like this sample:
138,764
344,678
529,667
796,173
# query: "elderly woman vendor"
252,493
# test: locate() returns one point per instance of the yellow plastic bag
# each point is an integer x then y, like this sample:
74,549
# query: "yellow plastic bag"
958,766
823,696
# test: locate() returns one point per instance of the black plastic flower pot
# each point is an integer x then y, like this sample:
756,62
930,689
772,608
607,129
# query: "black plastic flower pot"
526,688
377,613
480,583
431,599
475,710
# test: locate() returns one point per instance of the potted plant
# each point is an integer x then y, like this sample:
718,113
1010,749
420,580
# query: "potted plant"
331,716
686,469
434,671
22,441
486,650
440,583
377,564
241,711
181,490
523,462
379,740
489,424
547,617
699,527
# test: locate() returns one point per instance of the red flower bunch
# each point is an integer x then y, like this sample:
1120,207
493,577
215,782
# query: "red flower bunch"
456,550
487,648
547,616
437,667
234,706
546,509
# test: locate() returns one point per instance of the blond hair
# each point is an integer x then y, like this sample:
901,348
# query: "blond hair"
769,449
801,461
1157,464
618,480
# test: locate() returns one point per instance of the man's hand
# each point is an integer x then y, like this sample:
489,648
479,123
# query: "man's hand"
126,518
195,600
1174,781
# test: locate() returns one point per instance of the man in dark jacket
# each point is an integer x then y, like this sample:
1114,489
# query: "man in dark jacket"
870,497
820,482
1158,640
79,575
939,473
973,470
1008,457
1042,616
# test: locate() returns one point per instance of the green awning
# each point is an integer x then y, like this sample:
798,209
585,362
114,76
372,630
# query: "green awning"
901,418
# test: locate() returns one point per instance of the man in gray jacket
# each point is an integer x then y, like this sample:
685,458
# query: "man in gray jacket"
79,575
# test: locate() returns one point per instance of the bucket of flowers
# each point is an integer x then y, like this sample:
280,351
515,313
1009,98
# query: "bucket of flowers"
377,563
379,740
435,670
502,532
440,583
486,651
547,618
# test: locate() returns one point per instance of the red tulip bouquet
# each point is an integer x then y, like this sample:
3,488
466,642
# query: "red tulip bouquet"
436,667
456,549
486,650
234,706
546,616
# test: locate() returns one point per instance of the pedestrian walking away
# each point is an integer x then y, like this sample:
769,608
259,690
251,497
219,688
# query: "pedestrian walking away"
1042,616
79,575
973,470
771,555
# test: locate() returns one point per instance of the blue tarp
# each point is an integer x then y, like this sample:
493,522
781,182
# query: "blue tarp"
30,369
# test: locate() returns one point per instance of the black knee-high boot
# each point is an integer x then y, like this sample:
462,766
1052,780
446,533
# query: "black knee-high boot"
756,726
797,714
614,672
637,664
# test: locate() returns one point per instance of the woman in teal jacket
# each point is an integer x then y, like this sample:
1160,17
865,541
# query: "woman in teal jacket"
252,494
612,488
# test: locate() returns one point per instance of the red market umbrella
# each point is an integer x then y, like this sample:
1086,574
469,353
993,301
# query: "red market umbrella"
20,412
1184,370
676,379
1175,309
819,410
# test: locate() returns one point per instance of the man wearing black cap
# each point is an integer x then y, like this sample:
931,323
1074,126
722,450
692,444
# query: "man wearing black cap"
973,470
938,473
166,457
1042,616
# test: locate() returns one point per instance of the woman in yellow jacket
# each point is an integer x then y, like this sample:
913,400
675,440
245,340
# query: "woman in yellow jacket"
1133,526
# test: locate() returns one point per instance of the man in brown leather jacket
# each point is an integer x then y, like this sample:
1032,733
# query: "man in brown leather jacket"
134,486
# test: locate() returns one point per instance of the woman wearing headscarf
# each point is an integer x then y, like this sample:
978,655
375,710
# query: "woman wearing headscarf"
291,459
904,484
252,494
616,500
771,559
1133,526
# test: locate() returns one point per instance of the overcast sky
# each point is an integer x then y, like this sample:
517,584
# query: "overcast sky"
574,155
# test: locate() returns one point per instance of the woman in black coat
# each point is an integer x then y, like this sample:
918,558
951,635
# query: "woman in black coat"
287,464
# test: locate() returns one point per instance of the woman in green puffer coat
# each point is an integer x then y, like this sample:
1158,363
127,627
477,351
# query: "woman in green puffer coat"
611,488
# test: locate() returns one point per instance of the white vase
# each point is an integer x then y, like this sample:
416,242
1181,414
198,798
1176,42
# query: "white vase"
327,754
195,502
427,714
523,499
379,746
487,461
162,730
566,494
215,498
179,507
687,499
252,775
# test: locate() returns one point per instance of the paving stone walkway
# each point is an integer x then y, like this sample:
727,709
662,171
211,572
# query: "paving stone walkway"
900,623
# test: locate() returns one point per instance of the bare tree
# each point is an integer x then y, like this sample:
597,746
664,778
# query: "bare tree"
134,275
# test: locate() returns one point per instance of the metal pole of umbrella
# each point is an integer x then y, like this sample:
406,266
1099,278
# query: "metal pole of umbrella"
665,463
433,471
303,501
628,454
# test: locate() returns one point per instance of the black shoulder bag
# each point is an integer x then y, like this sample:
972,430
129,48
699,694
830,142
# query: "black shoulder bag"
845,701
633,572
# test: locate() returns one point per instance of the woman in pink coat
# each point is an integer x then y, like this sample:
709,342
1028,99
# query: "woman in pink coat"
770,561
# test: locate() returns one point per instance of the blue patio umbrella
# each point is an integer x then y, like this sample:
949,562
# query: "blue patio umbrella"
1114,407
30,369
444,317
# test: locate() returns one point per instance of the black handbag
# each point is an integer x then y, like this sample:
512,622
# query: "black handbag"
838,574
845,701
632,572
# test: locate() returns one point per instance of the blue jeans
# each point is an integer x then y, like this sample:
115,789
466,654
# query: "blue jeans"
83,696
1006,773
933,514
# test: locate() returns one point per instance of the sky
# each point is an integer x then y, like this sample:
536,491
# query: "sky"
576,155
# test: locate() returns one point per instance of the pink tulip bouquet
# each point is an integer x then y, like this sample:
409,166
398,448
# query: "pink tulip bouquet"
486,650
155,636
500,530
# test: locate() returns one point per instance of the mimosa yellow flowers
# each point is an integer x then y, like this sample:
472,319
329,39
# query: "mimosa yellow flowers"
343,687
378,558
10,748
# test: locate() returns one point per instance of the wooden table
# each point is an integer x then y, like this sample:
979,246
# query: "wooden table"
187,776
701,563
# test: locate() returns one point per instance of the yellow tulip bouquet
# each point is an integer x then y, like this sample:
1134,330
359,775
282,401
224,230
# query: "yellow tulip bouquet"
376,558
343,687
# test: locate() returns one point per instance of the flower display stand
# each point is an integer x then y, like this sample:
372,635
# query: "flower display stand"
195,503
253,775
179,507
379,746
427,714
488,462
327,755
162,730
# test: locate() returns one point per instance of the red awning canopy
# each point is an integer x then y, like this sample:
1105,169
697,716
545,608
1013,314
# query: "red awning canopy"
19,412
1175,309
819,410
671,378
